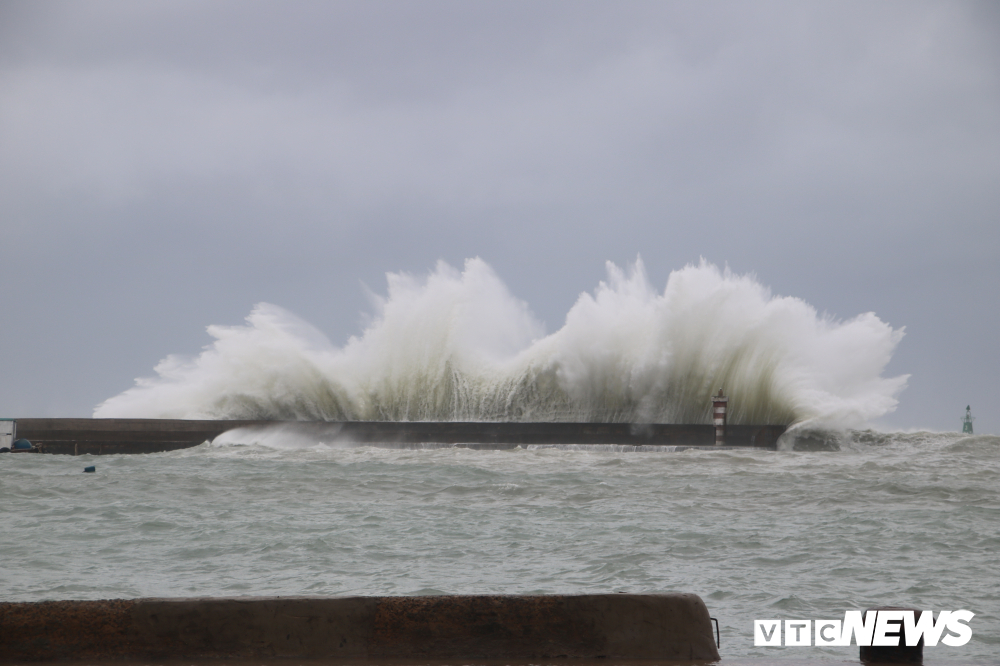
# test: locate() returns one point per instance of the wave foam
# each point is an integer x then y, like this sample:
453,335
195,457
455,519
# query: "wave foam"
458,346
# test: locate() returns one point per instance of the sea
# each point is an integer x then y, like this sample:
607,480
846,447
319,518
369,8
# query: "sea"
876,518
841,518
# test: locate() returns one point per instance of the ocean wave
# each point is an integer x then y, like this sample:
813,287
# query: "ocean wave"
457,345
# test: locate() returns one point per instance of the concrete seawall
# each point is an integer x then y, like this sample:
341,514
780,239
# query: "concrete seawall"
105,436
668,627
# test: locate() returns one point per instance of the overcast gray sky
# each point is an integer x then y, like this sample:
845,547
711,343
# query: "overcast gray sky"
166,165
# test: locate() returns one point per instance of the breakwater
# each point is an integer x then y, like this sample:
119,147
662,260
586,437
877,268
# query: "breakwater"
111,436
673,627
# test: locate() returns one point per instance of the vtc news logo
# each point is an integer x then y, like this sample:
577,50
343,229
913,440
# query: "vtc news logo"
879,628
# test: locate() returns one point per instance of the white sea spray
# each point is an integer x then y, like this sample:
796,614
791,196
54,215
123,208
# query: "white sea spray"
457,345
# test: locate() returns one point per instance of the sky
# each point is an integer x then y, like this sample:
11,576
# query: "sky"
166,165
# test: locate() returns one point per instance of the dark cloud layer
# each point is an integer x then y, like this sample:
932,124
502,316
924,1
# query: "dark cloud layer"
165,165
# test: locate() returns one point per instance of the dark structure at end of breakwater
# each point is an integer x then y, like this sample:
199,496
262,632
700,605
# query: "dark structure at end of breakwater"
893,654
669,627
107,436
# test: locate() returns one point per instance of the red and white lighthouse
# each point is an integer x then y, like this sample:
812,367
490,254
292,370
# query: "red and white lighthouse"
719,417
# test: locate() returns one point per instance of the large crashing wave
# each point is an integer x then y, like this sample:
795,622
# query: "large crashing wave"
459,346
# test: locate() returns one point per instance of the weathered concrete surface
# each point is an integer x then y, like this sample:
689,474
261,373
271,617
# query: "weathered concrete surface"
65,630
668,627
104,436
254,627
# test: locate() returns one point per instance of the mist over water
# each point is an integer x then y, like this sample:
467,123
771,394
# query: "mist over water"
457,345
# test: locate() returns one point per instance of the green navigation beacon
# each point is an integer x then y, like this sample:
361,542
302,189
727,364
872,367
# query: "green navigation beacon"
967,420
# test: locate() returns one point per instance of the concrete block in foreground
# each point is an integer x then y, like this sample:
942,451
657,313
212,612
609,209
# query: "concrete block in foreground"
669,627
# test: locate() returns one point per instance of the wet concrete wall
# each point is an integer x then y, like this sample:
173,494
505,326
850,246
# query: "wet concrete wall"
104,436
617,626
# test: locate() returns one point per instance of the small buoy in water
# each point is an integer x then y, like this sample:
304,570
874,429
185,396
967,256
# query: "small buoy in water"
92,468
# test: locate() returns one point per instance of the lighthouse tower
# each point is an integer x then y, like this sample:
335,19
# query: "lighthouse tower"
967,420
719,417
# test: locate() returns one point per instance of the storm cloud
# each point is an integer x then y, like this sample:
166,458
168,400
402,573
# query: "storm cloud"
166,165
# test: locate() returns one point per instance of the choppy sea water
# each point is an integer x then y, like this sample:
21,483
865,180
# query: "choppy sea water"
908,519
